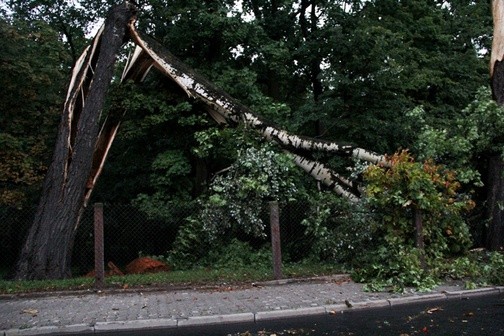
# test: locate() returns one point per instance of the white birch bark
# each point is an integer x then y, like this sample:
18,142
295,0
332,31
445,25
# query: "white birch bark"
224,109
327,177
232,111
497,53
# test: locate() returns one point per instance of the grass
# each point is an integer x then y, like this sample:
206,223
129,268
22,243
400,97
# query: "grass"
476,269
193,277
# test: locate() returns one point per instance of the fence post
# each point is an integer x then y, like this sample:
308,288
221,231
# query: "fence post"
275,240
419,237
98,246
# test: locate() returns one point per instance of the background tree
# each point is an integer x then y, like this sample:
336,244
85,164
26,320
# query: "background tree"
394,55
32,76
71,21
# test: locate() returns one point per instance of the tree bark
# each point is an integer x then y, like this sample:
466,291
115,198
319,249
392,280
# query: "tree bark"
340,185
495,204
46,253
497,55
495,182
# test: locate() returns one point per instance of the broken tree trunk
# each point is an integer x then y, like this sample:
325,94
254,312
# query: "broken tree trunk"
231,111
46,252
495,181
140,64
224,109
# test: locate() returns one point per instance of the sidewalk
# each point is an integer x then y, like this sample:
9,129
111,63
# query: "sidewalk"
61,313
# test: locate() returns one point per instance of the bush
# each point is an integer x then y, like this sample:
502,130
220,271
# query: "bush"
237,255
236,196
394,268
191,244
478,268
338,231
394,194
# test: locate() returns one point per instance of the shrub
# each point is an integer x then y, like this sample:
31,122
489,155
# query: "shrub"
338,231
394,194
237,255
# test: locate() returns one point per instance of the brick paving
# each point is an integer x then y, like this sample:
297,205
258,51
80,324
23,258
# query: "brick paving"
59,313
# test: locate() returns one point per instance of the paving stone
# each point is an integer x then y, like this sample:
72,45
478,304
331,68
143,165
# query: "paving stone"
128,309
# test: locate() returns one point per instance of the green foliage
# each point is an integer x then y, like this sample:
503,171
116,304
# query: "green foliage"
338,231
217,253
483,124
391,56
12,287
236,199
393,194
445,146
430,188
191,244
478,268
494,270
477,131
237,195
237,254
394,267
32,70
151,161
70,21
217,143
173,164
466,145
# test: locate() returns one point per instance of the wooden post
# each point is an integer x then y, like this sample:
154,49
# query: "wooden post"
98,246
417,218
275,240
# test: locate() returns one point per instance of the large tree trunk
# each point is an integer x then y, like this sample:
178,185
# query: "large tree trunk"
47,250
495,204
495,181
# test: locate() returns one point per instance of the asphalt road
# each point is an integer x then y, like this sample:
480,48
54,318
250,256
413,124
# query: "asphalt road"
480,315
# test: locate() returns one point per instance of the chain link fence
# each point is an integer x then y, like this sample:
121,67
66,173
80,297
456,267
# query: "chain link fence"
129,232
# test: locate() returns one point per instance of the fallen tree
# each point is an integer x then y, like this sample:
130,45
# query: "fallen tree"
224,109
82,145
47,250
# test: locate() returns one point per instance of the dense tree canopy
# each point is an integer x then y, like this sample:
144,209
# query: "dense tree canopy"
33,71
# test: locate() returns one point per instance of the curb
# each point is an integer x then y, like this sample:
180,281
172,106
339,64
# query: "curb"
132,325
336,277
248,317
418,298
289,313
474,292
47,330
216,319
